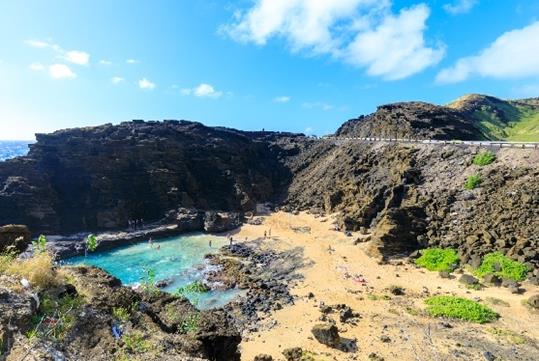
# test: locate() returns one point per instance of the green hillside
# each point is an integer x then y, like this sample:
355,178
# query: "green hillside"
514,120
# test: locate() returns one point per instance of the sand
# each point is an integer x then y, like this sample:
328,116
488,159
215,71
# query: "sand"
414,335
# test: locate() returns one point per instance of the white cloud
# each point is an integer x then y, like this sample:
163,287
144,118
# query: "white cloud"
105,62
117,80
37,67
396,48
282,99
318,105
77,57
40,44
61,71
359,32
132,61
146,84
202,91
515,54
308,130
460,6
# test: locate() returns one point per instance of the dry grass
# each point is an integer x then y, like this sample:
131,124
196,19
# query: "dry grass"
38,270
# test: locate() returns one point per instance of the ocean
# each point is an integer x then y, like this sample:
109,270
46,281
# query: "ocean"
13,148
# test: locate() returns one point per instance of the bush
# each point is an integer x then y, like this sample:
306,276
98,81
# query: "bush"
121,314
438,259
38,270
472,182
502,266
484,158
459,308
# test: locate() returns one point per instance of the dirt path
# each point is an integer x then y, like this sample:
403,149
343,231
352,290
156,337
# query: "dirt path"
347,275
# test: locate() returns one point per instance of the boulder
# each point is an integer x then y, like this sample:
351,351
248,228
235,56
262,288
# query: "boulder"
327,334
293,354
468,280
219,222
14,238
492,279
263,357
534,301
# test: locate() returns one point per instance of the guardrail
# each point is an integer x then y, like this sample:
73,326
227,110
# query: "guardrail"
476,143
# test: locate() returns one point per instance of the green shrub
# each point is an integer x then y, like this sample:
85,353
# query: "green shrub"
484,158
136,343
193,287
438,259
459,308
502,266
40,244
121,314
191,324
472,182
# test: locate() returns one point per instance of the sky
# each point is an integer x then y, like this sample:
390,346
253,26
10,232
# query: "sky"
290,65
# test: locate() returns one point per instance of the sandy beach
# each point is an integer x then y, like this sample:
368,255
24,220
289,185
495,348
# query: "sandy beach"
392,327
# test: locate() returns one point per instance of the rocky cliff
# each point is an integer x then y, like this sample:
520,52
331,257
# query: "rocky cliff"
414,196
99,178
471,117
407,196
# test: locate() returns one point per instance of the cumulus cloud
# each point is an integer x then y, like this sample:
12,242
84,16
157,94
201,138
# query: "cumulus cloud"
515,54
359,32
202,91
117,80
61,71
281,99
36,67
132,61
146,84
460,6
395,49
77,57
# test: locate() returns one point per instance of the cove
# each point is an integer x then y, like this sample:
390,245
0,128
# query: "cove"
180,260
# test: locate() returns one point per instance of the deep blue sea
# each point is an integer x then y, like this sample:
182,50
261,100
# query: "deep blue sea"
13,148
180,260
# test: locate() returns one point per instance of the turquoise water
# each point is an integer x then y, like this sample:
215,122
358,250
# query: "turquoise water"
178,259
13,148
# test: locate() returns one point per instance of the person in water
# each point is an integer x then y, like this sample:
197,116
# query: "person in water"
209,243
150,242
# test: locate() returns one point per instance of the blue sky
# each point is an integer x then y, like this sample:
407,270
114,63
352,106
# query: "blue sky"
295,65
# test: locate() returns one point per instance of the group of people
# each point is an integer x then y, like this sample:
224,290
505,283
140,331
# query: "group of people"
267,233
135,224
230,240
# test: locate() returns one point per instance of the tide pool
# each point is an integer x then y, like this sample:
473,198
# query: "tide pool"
179,260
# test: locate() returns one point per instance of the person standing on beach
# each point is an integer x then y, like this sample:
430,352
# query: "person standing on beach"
265,234
209,243
269,233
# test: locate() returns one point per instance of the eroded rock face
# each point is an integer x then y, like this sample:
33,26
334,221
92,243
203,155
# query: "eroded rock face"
157,317
98,178
15,238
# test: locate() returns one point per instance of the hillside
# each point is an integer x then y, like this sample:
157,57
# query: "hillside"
513,120
471,117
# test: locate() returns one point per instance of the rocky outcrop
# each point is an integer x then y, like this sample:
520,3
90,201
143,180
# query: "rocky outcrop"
152,327
14,238
413,196
99,178
413,120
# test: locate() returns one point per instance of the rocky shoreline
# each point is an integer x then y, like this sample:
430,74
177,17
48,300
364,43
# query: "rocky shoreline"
181,221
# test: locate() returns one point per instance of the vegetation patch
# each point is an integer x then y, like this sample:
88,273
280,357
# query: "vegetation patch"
511,336
191,324
121,314
55,317
136,343
484,158
472,182
438,259
459,308
502,266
